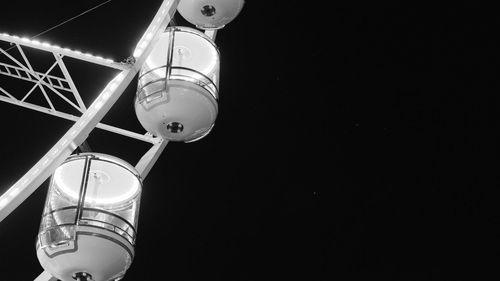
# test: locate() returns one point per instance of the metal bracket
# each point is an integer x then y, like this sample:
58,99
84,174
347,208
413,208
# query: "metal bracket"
212,33
45,276
149,159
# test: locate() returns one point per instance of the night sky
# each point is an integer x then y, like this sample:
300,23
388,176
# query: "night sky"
355,142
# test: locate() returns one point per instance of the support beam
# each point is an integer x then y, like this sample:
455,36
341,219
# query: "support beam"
7,69
62,51
10,99
149,159
212,33
71,84
41,79
45,276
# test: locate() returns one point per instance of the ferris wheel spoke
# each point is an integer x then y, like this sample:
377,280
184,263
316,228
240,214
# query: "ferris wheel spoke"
147,161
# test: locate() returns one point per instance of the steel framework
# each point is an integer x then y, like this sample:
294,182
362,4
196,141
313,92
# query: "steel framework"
51,85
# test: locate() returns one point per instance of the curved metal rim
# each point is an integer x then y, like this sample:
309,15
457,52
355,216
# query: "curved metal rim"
183,78
192,31
102,157
210,81
133,237
202,136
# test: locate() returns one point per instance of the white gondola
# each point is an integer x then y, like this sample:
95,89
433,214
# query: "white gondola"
177,92
89,223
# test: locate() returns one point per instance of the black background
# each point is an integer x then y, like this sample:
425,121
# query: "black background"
353,142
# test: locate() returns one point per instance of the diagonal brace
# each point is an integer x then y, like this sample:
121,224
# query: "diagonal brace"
41,81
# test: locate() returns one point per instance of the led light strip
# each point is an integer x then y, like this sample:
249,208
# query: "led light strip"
64,51
148,36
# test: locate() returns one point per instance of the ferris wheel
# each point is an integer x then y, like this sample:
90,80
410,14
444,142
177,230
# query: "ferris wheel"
92,204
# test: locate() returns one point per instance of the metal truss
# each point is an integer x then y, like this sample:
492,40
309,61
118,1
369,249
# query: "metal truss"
53,86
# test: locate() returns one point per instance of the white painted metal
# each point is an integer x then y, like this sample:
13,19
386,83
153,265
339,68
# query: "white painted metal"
7,69
41,80
45,276
211,33
70,82
12,100
65,84
149,159
79,132
36,76
62,51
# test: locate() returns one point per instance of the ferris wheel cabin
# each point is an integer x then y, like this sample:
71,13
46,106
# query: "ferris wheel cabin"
89,223
178,86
